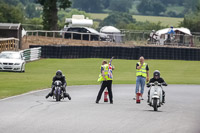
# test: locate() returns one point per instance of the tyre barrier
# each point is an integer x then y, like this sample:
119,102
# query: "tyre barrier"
168,53
31,54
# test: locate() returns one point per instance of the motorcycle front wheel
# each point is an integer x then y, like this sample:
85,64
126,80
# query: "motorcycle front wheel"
155,107
57,96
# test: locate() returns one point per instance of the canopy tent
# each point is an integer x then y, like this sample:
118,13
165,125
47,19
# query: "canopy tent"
166,30
180,36
113,33
109,29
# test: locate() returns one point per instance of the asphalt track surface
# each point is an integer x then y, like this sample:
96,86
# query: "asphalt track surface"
32,113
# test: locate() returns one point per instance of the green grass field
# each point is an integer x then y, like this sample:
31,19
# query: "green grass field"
39,74
155,19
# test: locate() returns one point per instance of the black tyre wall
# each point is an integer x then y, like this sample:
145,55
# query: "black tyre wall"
167,53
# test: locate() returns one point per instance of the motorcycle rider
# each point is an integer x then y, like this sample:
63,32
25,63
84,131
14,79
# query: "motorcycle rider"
59,76
156,77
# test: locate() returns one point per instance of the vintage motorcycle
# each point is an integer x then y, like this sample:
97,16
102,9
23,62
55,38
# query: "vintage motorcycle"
58,92
156,94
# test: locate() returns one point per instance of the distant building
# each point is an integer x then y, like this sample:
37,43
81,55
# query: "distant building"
11,30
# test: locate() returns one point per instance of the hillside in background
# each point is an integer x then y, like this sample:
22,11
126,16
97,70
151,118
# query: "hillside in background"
165,21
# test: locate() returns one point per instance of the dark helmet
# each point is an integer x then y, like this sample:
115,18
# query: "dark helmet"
156,73
59,74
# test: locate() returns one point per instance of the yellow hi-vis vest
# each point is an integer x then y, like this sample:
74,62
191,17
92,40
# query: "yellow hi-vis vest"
142,71
105,69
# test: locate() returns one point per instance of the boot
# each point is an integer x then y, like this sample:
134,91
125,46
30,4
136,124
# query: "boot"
50,94
47,96
67,95
148,99
163,99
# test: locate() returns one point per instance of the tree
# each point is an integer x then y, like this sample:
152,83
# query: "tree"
192,20
117,19
33,24
173,2
50,9
151,7
190,5
106,3
88,5
144,26
11,2
120,5
31,11
10,14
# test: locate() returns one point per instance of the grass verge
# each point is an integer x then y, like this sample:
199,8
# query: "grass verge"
39,74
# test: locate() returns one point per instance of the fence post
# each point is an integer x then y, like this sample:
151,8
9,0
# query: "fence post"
53,34
72,36
81,37
63,35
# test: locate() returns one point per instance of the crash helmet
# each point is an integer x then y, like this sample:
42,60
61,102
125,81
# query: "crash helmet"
156,74
59,74
171,27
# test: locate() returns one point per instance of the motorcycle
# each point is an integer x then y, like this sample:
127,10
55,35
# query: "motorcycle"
156,94
58,92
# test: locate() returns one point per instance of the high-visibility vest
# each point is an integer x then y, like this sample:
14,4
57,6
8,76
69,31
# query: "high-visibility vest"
105,69
142,71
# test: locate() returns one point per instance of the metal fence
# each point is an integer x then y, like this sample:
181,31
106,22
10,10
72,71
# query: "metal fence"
9,44
117,38
129,37
143,37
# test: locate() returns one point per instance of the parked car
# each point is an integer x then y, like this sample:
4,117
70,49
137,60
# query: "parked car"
12,61
86,33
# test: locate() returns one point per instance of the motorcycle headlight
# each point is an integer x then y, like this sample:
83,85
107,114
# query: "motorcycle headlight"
17,64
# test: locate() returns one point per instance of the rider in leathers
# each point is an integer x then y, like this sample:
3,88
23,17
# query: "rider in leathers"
59,76
156,77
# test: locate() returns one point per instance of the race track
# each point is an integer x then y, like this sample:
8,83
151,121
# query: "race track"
32,113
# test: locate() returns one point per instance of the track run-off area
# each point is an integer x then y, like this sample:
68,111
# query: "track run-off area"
32,113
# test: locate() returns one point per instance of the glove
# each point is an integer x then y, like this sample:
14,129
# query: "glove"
164,84
148,85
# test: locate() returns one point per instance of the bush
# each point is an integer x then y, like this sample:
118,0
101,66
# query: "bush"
117,19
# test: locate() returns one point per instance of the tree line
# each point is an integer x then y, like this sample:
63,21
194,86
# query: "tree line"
49,12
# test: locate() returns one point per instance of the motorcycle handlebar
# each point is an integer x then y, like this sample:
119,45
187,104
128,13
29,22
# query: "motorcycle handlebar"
153,84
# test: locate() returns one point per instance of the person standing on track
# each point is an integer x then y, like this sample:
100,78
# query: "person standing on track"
106,80
142,75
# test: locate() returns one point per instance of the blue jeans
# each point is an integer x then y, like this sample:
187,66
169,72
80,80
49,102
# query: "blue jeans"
140,82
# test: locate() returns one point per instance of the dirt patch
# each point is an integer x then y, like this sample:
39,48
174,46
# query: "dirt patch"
41,40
